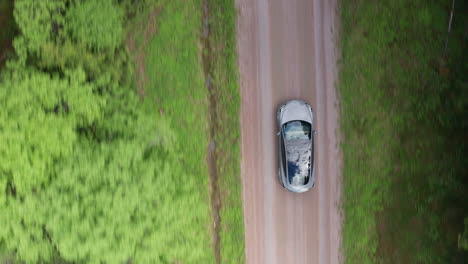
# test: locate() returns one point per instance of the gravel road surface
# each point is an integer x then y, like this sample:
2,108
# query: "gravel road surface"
287,50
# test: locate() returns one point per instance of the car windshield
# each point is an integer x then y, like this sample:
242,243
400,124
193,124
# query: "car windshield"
297,130
298,146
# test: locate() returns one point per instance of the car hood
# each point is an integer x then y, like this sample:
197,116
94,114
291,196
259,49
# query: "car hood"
296,110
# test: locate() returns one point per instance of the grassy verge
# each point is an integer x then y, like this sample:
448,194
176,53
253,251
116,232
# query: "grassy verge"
170,82
403,106
165,43
226,97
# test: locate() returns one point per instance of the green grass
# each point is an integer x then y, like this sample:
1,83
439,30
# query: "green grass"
175,88
403,122
222,15
175,85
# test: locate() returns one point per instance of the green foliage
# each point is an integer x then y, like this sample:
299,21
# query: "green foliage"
90,172
177,89
59,35
121,201
39,21
126,203
38,124
39,117
96,23
226,100
109,202
463,237
168,55
174,86
403,123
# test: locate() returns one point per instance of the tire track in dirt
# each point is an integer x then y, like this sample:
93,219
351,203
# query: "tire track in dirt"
214,189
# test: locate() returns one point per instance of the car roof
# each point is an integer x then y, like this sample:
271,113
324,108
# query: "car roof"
298,152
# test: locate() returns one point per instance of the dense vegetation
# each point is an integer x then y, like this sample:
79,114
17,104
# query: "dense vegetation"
404,105
8,26
96,167
187,101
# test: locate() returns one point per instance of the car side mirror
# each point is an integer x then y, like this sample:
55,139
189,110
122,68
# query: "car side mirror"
278,133
315,132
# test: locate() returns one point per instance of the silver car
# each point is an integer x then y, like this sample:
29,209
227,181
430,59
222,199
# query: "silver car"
296,146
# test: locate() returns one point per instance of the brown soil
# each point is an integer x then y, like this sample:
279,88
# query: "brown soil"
212,151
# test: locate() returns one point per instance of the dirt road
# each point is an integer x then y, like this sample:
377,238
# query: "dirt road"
287,51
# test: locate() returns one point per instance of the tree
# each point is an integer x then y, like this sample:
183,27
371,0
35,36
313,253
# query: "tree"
463,237
38,121
58,35
112,202
96,23
40,22
38,125
87,173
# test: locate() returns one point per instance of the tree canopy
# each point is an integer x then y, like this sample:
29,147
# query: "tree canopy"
38,121
87,173
96,23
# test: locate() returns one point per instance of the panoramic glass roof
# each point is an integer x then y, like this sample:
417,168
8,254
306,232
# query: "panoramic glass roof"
298,147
